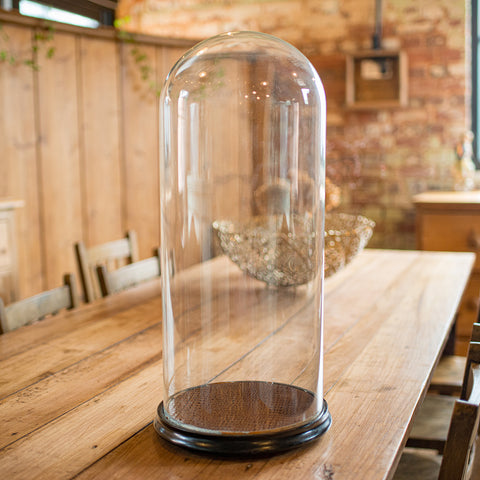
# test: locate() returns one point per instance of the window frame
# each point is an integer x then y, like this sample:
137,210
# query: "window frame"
475,48
101,10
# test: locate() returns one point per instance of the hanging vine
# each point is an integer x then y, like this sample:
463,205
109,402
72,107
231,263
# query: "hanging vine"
43,36
147,73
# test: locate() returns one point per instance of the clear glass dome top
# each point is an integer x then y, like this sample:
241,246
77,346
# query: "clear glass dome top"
242,181
204,71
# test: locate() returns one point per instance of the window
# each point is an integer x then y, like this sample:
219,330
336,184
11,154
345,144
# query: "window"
475,81
86,13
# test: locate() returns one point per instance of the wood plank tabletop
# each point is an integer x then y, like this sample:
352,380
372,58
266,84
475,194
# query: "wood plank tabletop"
79,391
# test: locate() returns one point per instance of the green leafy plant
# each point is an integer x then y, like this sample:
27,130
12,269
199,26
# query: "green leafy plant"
147,73
41,37
5,55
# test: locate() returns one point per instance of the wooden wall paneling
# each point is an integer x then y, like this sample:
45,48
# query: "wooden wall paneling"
100,112
225,153
167,57
63,151
18,160
59,156
229,156
235,158
140,144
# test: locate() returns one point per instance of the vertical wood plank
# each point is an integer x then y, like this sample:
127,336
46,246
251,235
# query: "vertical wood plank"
100,123
18,161
168,58
140,146
225,152
79,142
59,157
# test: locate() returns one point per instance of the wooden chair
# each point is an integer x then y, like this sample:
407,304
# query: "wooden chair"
459,460
448,376
32,309
430,427
129,275
112,254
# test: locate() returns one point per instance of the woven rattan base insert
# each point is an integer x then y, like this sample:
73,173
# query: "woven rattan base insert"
242,418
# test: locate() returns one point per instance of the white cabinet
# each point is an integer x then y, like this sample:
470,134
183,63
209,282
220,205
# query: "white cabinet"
8,251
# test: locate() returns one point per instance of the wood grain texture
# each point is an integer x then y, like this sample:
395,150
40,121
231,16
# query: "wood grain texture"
100,126
450,221
379,313
140,134
59,158
79,143
48,331
19,138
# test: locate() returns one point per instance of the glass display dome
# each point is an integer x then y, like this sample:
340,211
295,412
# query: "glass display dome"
242,199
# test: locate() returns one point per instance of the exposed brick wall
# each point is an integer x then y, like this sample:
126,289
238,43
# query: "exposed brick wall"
380,158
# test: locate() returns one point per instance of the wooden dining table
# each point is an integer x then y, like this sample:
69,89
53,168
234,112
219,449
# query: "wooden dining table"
79,390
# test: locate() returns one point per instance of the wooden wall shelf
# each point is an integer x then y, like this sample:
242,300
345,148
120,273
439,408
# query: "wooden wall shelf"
376,79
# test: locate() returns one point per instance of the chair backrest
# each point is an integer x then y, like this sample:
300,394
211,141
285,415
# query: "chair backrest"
460,452
129,275
32,309
112,254
473,356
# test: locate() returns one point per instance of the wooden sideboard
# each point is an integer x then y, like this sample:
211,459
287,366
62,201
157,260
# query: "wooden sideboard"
8,251
450,221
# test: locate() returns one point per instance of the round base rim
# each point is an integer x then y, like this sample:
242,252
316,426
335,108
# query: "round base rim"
242,445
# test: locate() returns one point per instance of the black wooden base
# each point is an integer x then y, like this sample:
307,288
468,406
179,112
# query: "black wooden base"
245,445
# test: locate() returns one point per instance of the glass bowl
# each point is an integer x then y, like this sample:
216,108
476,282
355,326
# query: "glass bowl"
279,251
345,237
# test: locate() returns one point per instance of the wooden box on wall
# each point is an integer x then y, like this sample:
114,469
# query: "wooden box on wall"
376,79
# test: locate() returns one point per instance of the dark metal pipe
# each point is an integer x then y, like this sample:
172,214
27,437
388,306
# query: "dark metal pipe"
377,33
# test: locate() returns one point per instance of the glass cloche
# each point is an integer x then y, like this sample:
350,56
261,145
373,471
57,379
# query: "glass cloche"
242,199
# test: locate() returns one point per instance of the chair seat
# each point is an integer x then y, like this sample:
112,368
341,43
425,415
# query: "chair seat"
456,440
448,376
418,464
430,427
